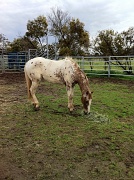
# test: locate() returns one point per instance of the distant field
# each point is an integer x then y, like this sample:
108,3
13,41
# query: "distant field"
52,144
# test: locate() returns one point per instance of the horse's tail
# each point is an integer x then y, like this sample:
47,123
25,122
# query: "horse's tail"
28,83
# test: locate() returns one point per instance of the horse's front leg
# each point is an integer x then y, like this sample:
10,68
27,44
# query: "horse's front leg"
33,91
70,93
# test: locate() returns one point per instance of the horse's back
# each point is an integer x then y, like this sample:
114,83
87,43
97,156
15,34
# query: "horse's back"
51,70
36,62
39,67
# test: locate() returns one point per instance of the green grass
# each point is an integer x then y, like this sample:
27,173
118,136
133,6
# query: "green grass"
54,144
117,103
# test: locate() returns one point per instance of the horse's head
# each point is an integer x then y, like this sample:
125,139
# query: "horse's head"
86,100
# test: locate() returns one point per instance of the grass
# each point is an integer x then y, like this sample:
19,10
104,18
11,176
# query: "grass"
54,144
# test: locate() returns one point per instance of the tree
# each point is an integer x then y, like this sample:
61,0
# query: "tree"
76,41
58,21
37,29
73,39
103,43
111,43
126,39
22,44
4,43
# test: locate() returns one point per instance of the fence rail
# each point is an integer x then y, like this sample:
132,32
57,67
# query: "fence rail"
104,65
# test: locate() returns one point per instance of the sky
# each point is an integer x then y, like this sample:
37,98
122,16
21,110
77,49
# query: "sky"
96,15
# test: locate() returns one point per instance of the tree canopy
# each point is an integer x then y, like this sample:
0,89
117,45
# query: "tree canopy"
76,39
37,29
111,43
22,44
73,38
58,21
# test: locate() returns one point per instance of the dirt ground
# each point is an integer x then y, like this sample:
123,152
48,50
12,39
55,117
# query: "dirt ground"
8,95
13,94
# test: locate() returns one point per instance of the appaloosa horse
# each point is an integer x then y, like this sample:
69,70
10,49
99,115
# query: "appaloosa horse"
64,71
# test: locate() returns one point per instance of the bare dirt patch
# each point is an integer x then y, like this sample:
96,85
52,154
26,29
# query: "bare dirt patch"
12,88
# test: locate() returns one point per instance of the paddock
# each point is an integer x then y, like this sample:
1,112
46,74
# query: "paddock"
54,144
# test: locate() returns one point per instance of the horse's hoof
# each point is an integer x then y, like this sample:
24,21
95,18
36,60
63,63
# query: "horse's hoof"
86,113
71,111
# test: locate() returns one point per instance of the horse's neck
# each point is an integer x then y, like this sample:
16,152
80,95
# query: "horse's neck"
83,83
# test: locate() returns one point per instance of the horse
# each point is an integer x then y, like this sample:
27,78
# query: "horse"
65,71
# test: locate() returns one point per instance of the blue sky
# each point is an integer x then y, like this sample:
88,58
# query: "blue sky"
95,14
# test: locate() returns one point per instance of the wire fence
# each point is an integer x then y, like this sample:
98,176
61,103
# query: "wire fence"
104,65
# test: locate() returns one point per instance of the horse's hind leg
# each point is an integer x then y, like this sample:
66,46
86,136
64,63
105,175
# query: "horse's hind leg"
33,91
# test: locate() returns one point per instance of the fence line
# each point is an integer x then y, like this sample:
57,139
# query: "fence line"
101,65
107,65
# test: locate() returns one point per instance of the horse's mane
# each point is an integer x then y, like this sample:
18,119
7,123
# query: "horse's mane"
80,73
72,60
69,58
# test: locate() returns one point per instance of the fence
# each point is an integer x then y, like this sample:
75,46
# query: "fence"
13,62
106,65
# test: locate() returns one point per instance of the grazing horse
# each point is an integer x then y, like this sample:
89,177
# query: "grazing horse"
64,71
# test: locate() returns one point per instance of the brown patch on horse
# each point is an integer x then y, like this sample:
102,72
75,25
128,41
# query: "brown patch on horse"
85,99
81,78
60,76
